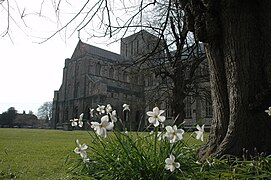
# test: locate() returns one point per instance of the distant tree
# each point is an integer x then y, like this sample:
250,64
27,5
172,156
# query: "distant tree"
8,117
45,111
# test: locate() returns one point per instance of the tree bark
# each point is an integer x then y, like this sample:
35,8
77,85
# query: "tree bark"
179,95
238,51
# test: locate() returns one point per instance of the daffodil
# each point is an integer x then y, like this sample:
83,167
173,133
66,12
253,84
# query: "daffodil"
91,112
100,109
126,107
102,127
74,122
81,149
80,120
200,132
113,116
174,134
171,164
161,135
108,108
268,111
155,116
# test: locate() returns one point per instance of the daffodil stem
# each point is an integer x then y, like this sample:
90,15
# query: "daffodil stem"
155,143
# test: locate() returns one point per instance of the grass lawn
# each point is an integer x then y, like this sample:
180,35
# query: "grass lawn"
39,153
36,153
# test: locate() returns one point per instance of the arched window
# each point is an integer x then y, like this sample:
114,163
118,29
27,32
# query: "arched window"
188,109
125,76
111,72
98,69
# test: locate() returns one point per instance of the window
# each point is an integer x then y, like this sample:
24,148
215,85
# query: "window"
126,50
132,48
125,77
76,90
111,72
188,110
89,68
169,112
77,69
75,112
208,107
136,79
150,80
137,47
98,69
89,88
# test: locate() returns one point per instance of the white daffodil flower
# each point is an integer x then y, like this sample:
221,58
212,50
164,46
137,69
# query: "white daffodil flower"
125,107
161,136
91,112
108,108
81,149
268,111
155,116
174,134
102,127
80,120
74,122
171,164
200,132
113,116
100,109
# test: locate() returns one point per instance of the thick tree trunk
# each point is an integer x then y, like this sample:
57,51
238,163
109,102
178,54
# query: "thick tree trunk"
238,50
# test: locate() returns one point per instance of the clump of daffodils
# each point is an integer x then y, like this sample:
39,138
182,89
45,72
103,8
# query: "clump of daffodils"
128,150
79,122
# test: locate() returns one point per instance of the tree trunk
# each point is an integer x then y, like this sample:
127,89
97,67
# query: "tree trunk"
238,50
178,104
179,94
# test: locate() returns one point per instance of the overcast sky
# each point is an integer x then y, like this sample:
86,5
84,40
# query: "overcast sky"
30,72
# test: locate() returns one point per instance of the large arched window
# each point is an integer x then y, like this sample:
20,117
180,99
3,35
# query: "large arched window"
98,69
111,72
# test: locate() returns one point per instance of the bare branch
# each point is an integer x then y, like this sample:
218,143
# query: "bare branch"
59,30
8,19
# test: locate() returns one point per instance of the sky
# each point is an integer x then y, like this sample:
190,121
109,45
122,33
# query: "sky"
30,72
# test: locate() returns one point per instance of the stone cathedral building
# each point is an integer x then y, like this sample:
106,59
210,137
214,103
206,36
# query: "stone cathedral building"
94,76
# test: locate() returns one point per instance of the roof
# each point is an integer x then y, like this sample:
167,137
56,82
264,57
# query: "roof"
142,33
83,49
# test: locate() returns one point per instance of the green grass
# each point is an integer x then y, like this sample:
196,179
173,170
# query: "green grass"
36,153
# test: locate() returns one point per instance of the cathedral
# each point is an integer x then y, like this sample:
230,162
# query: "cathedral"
94,76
